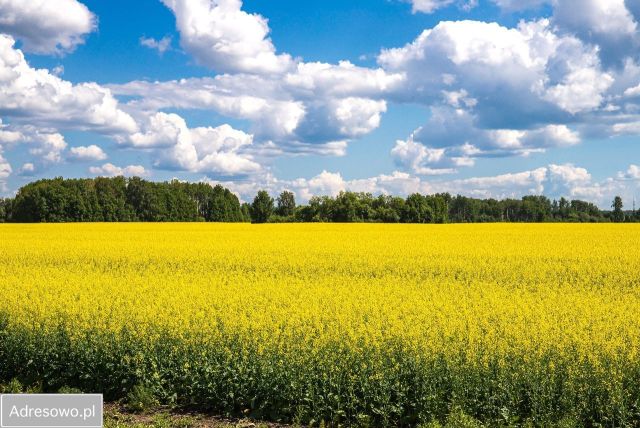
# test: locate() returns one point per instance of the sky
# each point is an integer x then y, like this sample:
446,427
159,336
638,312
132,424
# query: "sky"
486,98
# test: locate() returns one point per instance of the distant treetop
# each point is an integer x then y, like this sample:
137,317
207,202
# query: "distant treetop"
122,199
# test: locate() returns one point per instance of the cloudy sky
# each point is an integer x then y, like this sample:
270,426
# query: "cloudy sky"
488,98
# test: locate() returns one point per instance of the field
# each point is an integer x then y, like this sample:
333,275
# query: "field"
341,324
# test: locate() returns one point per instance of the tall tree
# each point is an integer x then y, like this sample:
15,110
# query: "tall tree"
417,210
5,210
286,204
262,207
618,214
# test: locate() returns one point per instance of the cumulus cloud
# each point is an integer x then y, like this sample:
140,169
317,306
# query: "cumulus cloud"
609,24
111,170
316,103
161,45
58,70
45,26
422,160
496,91
517,75
216,151
293,106
451,139
592,20
45,144
27,169
219,35
492,90
598,17
270,115
48,146
87,153
9,135
632,173
28,95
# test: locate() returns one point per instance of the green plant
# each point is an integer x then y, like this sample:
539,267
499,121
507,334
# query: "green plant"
69,390
13,387
141,398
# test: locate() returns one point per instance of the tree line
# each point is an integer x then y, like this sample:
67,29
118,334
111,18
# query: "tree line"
122,199
354,207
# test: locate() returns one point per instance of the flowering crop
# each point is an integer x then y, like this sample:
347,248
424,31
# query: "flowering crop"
361,324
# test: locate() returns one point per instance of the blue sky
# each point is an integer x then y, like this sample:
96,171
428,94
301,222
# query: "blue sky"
489,98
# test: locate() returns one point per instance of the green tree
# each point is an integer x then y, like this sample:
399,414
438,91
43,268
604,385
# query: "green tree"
417,210
618,214
245,209
286,204
351,207
5,210
262,207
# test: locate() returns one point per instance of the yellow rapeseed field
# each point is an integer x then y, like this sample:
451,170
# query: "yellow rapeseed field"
346,324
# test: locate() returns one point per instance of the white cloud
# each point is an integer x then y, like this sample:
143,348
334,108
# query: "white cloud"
242,98
358,116
49,146
161,45
8,135
422,160
451,139
317,103
512,5
28,169
627,128
30,95
528,73
609,24
46,26
501,186
163,130
342,80
111,170
87,153
5,171
46,144
567,180
216,151
632,173
298,107
506,91
219,35
582,88
430,6
609,17
599,17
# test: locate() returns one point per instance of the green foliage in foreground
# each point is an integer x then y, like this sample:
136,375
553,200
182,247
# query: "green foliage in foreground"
332,386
